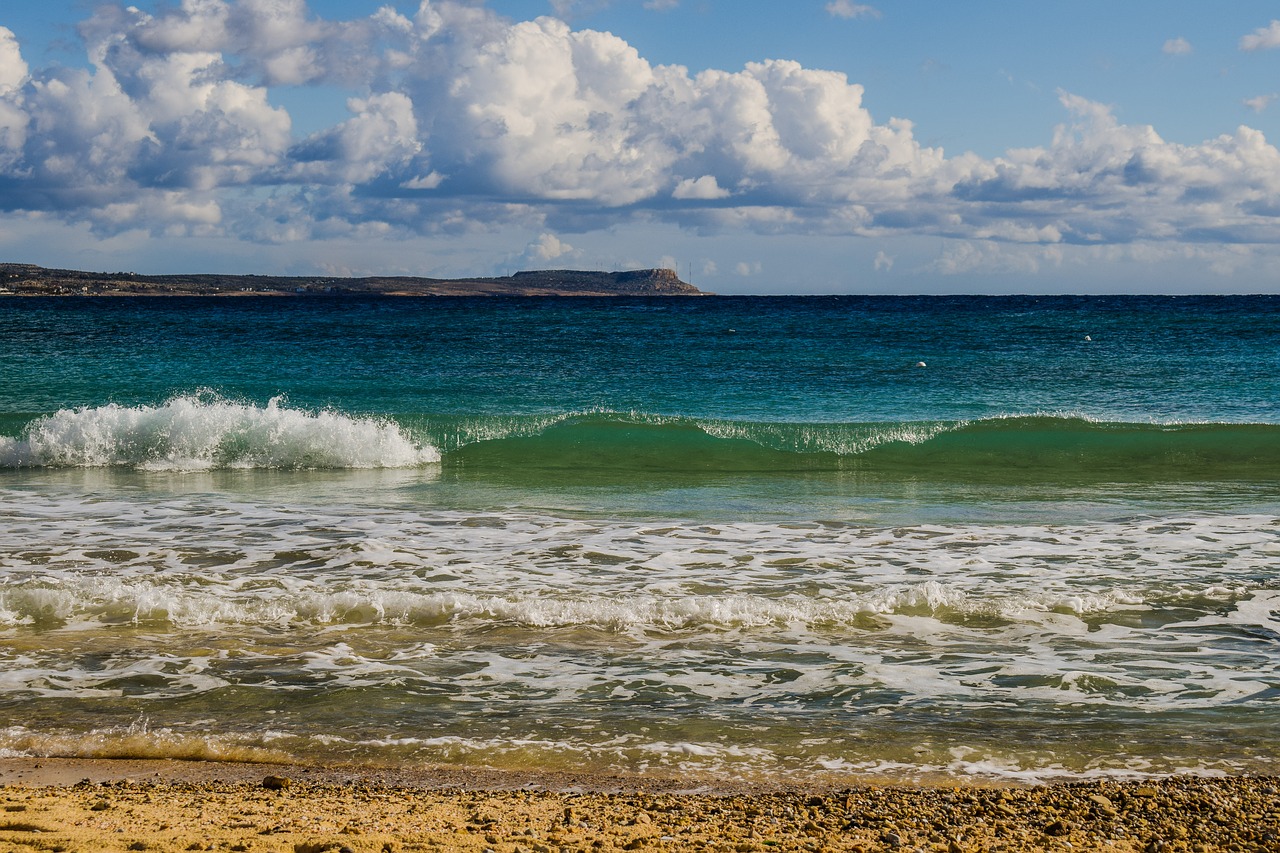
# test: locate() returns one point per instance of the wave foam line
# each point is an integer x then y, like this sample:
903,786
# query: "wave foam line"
201,432
112,602
137,741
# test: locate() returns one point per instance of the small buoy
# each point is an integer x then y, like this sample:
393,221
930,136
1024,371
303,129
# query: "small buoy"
1087,338
921,364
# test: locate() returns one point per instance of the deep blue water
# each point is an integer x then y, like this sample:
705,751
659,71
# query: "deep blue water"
831,359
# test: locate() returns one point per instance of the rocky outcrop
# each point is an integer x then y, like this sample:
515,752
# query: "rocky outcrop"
657,282
29,280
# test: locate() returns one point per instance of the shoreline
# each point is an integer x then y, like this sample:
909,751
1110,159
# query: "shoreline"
121,804
65,772
31,280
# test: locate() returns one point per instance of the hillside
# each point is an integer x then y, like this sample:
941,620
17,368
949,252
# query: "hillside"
29,280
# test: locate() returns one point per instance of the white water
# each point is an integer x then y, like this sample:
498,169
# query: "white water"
202,432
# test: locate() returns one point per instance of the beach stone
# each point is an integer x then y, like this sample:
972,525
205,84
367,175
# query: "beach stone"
1057,829
276,783
318,847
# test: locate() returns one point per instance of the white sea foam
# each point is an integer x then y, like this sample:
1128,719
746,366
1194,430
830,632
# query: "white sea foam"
453,618
201,432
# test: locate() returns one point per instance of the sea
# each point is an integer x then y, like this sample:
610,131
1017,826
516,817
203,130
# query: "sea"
810,540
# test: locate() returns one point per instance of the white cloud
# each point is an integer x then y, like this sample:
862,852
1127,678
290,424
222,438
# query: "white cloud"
13,69
1261,102
704,188
382,134
549,113
424,182
557,130
883,262
1263,38
1177,47
13,118
548,247
1100,181
849,9
748,268
661,5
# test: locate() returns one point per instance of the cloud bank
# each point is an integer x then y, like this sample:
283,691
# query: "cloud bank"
458,120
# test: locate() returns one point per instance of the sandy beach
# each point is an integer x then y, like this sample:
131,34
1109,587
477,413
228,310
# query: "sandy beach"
100,805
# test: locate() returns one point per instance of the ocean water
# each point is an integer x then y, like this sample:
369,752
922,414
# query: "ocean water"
819,539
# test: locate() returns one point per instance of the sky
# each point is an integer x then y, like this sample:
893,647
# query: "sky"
754,146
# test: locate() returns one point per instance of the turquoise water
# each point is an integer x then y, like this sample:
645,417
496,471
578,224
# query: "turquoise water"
819,538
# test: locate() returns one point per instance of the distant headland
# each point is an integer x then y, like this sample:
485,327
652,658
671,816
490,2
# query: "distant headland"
30,280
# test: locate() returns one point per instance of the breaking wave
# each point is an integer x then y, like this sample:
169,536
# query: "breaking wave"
201,432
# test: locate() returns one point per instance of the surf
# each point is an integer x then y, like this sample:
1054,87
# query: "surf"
203,431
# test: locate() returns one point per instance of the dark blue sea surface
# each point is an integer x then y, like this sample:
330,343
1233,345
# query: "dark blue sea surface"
765,359
817,537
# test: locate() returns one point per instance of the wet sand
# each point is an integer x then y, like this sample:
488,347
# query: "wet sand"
99,805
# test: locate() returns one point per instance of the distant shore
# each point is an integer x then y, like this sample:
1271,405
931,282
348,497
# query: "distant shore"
30,280
103,805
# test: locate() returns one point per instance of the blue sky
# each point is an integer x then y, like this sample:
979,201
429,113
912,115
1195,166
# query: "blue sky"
756,146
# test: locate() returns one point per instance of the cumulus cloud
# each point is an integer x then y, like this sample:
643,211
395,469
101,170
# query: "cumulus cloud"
1263,38
13,119
457,120
704,188
1101,181
548,247
1177,47
13,69
381,136
849,9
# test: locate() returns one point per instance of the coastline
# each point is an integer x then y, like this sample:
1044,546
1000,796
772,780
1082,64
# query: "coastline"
31,281
110,805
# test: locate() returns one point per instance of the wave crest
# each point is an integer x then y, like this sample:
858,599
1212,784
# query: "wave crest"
199,432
